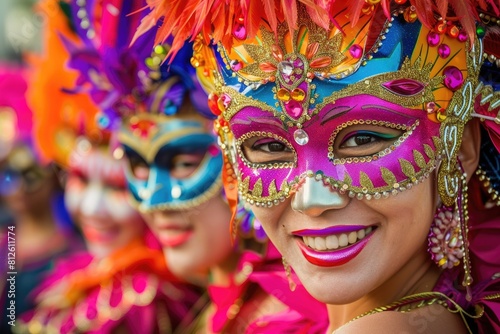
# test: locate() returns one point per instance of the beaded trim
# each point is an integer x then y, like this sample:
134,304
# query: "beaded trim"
399,141
275,165
485,180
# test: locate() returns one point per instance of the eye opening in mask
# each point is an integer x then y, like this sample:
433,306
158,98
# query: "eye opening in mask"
181,162
366,141
137,165
261,149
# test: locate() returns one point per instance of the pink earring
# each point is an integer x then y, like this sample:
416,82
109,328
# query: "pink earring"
445,238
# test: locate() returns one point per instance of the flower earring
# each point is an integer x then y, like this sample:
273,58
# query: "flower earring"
447,238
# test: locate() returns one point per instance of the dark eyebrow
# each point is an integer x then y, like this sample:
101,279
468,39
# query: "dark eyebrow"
378,107
335,112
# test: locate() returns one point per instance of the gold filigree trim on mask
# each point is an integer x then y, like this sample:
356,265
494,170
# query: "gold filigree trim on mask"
254,196
275,165
147,146
458,113
340,161
321,51
374,86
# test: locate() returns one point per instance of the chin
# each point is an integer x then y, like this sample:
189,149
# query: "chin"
181,264
329,288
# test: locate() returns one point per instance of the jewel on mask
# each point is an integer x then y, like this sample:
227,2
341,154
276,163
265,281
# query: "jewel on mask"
176,191
213,105
433,38
236,65
410,14
298,94
462,36
441,27
169,108
430,107
441,114
453,78
118,153
293,108
213,150
444,51
239,31
141,127
356,51
480,31
283,94
223,102
453,31
301,137
285,68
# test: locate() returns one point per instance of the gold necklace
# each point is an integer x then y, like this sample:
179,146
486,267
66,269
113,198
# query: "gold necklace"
419,300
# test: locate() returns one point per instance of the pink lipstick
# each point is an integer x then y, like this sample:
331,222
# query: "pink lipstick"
331,257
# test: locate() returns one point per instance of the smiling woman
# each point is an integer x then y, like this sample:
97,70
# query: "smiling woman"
157,113
352,127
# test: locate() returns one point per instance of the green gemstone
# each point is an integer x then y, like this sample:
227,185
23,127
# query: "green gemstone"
480,31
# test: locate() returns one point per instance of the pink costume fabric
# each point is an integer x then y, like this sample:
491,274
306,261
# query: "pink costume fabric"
484,234
303,314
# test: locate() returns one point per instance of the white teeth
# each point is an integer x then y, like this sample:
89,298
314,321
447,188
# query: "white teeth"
320,243
343,240
336,241
332,242
352,237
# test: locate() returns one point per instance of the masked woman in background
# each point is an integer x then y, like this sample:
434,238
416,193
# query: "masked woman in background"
36,229
365,136
121,284
174,178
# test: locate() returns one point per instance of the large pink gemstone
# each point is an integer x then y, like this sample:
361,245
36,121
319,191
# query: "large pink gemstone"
356,51
444,51
433,38
239,31
454,78
293,108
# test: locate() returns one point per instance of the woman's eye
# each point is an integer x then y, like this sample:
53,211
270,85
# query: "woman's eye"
267,150
360,143
270,146
183,165
141,171
358,140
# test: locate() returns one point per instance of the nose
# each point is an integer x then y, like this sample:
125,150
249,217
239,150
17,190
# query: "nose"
313,198
92,200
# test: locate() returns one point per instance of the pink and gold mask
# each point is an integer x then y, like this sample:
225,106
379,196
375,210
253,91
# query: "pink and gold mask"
369,109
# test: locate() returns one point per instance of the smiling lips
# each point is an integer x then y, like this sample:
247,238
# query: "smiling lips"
174,236
333,246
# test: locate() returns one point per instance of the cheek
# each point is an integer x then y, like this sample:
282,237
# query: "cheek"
73,195
270,218
118,207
